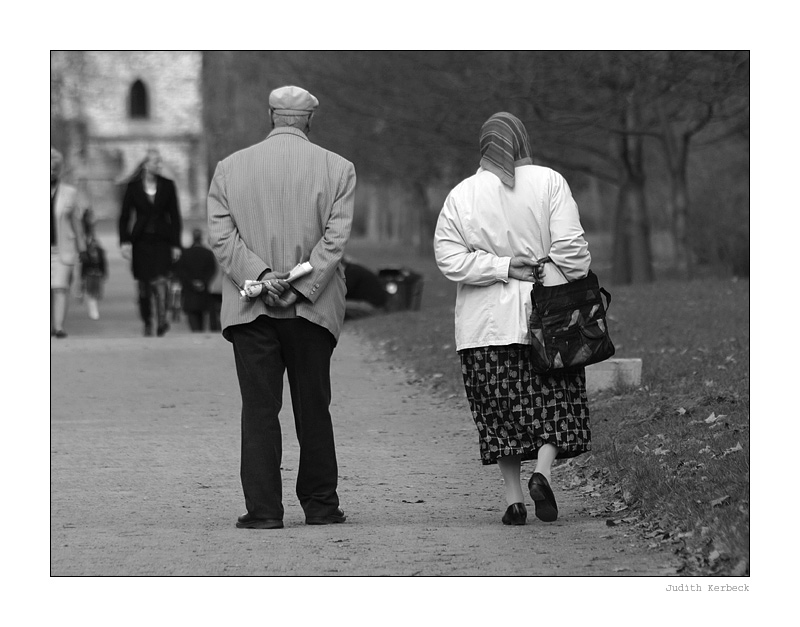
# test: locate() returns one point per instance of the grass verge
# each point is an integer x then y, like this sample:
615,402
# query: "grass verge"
670,458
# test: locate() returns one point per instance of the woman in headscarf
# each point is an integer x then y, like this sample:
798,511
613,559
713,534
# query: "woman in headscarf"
150,236
493,228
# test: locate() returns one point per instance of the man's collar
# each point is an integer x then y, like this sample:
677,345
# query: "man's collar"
291,130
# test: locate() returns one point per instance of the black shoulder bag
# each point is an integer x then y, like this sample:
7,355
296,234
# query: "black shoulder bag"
568,324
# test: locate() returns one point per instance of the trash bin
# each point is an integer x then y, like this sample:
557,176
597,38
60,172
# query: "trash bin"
403,287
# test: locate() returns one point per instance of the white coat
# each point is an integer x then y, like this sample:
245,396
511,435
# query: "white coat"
482,225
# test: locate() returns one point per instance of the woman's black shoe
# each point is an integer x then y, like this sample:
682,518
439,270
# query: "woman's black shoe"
516,514
543,498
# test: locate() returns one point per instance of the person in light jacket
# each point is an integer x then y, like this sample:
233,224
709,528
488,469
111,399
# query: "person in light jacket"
67,242
492,229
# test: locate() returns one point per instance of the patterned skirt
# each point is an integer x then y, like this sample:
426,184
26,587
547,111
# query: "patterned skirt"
517,411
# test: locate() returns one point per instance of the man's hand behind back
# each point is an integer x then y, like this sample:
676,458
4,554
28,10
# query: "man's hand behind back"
287,298
278,292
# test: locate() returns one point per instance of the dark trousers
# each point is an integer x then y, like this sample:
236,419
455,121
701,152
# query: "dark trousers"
154,290
214,312
264,349
196,319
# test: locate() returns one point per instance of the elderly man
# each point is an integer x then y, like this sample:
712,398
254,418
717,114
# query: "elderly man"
272,206
67,242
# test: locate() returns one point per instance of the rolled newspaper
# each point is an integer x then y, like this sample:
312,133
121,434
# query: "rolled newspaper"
257,288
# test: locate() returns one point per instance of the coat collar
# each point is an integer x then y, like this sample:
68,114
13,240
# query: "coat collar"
290,130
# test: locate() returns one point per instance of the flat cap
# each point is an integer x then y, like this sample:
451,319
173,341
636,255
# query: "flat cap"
291,100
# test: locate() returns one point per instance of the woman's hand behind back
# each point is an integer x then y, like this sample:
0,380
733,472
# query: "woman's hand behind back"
524,269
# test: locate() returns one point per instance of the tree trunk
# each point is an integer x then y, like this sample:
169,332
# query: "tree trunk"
679,201
632,260
632,255
640,254
620,268
373,219
427,218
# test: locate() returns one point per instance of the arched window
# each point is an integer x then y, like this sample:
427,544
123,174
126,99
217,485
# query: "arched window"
139,105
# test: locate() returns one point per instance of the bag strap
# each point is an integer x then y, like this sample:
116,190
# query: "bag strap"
547,258
608,298
602,290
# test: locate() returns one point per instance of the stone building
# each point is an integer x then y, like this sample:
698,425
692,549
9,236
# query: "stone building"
108,107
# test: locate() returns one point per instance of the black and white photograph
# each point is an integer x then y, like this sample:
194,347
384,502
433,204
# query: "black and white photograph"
371,316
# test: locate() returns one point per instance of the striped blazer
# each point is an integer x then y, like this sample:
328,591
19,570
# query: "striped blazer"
273,205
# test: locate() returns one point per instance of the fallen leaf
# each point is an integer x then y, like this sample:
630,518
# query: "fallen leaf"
723,500
622,569
627,496
733,449
681,411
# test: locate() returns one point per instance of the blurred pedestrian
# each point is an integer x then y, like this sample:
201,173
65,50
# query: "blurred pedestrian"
366,294
492,229
67,242
215,295
150,236
94,269
194,270
271,206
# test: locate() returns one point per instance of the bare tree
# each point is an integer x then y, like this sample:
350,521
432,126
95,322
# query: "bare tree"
694,92
411,119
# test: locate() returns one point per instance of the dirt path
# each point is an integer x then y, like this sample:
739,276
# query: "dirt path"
145,455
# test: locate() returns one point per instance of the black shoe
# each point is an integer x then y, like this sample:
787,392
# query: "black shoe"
148,330
60,334
331,519
251,522
516,514
162,329
543,498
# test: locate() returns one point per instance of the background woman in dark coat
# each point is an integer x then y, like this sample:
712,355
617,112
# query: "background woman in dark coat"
150,236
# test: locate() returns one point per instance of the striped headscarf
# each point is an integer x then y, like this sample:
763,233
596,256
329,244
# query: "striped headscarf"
504,145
